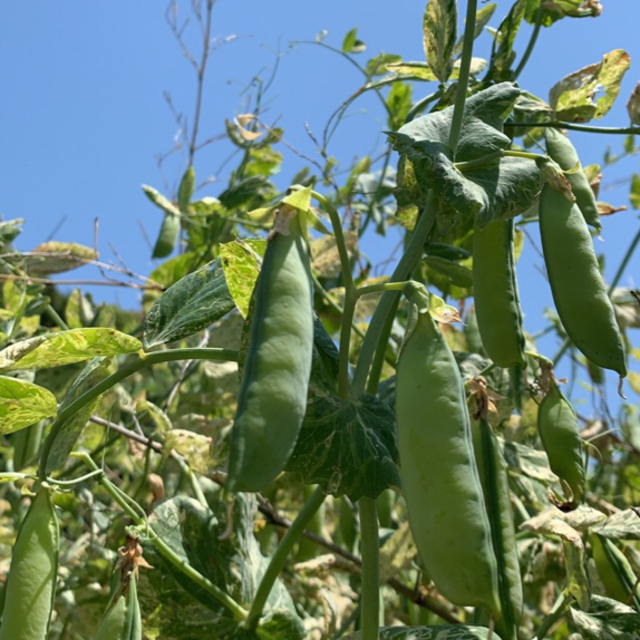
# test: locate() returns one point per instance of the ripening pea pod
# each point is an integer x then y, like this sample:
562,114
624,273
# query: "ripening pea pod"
168,236
31,583
561,150
616,574
122,619
495,291
579,292
560,434
495,487
273,392
440,481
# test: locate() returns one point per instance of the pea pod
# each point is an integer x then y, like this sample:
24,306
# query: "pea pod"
168,236
273,392
561,150
615,572
31,583
495,487
560,434
495,291
122,620
440,480
578,289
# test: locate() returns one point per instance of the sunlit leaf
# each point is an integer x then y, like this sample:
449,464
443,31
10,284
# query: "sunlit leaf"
574,97
23,403
56,257
67,347
190,305
240,261
439,32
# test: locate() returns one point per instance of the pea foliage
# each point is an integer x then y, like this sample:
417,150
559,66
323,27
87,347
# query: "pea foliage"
477,495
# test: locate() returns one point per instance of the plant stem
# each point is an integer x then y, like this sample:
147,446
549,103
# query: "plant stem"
578,127
405,267
381,351
380,288
163,548
280,556
128,369
624,263
563,348
370,585
532,43
55,316
463,76
555,614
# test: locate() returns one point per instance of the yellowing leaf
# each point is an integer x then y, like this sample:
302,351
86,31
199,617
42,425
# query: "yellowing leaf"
195,447
67,347
441,311
241,265
23,403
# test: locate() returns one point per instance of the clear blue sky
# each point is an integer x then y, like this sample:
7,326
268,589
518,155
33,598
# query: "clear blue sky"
83,115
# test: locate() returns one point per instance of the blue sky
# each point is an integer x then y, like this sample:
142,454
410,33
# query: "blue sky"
83,114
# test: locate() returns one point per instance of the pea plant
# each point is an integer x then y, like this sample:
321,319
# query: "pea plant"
280,445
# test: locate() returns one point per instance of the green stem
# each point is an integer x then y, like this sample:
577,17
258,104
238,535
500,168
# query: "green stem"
336,223
624,263
463,76
280,556
350,300
555,614
421,105
381,287
563,349
496,155
128,369
55,316
531,46
403,270
164,549
578,127
381,351
370,583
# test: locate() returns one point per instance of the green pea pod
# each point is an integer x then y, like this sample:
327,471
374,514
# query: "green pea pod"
495,487
615,572
273,392
561,150
579,292
560,434
122,619
440,480
495,291
31,584
167,237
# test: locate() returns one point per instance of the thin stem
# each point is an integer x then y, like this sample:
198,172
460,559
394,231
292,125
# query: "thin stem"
280,556
463,76
380,288
370,586
350,300
164,549
381,351
128,369
555,614
624,263
403,270
563,349
557,124
53,314
531,45
336,224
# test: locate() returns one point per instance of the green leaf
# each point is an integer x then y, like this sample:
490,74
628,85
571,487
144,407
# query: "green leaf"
167,237
9,231
378,66
622,525
95,371
399,103
578,583
573,97
634,194
633,105
433,632
439,29
185,191
241,265
606,619
299,199
503,55
349,40
23,403
347,447
190,305
497,190
483,16
67,347
56,257
325,362
556,10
